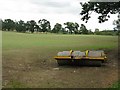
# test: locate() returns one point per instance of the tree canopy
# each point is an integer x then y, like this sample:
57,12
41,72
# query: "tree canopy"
8,24
57,28
20,26
44,25
102,8
83,29
72,27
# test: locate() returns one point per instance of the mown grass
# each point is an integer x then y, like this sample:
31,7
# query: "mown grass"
13,40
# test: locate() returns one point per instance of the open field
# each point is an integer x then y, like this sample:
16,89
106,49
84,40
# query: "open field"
28,61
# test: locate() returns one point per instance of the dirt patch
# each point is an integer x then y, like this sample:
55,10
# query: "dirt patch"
40,70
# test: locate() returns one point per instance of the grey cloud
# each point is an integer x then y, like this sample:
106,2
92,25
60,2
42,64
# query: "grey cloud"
57,7
51,3
69,10
57,4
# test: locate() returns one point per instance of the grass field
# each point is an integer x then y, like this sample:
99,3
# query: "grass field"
28,60
76,42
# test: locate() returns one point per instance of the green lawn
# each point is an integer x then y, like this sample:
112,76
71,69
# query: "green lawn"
13,40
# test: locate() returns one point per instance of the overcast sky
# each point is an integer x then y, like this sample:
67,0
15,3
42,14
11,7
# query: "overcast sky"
56,11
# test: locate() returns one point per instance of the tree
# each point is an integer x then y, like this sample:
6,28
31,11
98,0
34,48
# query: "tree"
90,31
83,29
57,28
37,28
27,26
72,27
32,25
97,31
20,26
69,26
8,24
64,31
3,26
44,25
103,8
117,23
76,28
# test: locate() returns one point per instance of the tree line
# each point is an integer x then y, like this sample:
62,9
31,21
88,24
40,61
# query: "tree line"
44,26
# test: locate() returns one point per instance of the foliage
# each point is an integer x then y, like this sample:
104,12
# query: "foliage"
63,31
8,24
57,28
32,24
44,25
90,31
76,26
72,27
102,8
106,32
97,31
20,26
83,29
117,23
37,28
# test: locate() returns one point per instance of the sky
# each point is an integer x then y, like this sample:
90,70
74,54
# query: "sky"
55,11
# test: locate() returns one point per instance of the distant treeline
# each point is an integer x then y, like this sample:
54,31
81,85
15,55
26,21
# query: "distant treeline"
43,25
